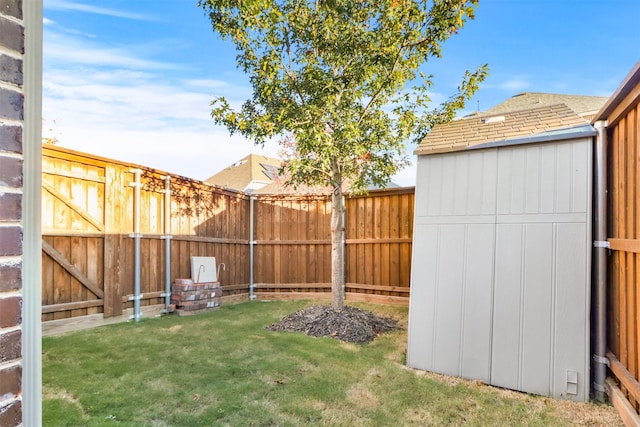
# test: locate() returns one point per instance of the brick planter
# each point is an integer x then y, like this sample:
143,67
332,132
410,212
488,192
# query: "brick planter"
191,298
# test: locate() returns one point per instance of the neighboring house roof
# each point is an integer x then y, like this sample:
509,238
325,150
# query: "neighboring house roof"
248,174
584,106
278,187
484,128
258,174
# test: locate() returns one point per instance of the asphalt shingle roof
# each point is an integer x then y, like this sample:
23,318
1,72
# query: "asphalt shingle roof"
483,128
580,104
253,167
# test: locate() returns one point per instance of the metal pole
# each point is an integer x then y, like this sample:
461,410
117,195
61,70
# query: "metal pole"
167,242
31,204
601,245
136,235
251,247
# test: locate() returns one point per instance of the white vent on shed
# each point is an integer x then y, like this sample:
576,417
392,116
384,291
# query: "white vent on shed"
494,119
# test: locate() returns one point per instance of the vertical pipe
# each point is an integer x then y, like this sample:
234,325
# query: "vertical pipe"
167,242
136,236
251,248
600,273
31,207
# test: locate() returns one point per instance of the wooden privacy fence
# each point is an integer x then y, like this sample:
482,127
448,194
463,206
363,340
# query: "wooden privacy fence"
88,249
293,246
623,135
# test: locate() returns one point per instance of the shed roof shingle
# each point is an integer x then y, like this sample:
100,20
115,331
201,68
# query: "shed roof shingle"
478,129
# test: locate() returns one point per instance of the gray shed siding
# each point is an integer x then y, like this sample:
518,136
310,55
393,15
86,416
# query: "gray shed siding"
500,282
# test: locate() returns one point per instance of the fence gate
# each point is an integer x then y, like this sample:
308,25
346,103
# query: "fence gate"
73,238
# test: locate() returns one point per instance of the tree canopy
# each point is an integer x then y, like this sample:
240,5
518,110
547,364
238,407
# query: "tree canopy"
340,80
340,83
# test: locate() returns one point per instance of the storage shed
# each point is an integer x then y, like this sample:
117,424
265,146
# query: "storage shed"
500,286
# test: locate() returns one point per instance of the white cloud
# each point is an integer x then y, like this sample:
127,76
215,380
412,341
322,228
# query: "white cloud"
68,51
195,154
142,116
120,103
65,5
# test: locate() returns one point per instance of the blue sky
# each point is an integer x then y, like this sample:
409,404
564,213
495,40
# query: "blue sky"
133,79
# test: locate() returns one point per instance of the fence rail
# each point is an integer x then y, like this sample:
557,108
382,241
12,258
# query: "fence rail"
88,214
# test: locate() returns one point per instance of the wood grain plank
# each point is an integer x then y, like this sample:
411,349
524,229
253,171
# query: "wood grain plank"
75,208
399,289
621,212
71,269
78,259
623,406
630,179
94,268
73,306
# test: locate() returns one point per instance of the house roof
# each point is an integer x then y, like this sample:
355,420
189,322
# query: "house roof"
499,126
580,104
251,171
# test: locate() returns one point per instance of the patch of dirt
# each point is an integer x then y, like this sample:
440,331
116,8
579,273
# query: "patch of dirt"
350,324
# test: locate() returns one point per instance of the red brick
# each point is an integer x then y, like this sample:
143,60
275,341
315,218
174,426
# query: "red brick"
11,35
10,241
11,381
198,305
10,277
10,168
11,414
11,8
10,312
10,346
10,207
11,104
11,139
195,295
11,70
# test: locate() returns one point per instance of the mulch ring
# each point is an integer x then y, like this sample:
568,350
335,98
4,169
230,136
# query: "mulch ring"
350,324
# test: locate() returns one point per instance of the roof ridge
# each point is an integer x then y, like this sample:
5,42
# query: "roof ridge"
484,114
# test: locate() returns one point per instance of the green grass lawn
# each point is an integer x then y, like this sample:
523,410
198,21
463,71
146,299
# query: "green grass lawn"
225,369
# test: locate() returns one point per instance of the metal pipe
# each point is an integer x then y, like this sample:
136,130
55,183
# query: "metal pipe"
136,235
31,366
252,243
167,242
224,268
600,361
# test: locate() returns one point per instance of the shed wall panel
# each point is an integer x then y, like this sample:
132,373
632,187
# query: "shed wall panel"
537,313
572,309
505,363
449,286
501,255
423,297
478,300
456,297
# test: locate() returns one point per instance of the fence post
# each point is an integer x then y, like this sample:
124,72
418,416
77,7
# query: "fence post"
113,189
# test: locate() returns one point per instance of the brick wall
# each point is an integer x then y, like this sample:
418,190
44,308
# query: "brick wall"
11,167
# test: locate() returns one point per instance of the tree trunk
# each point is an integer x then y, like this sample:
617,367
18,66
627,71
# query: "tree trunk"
337,248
